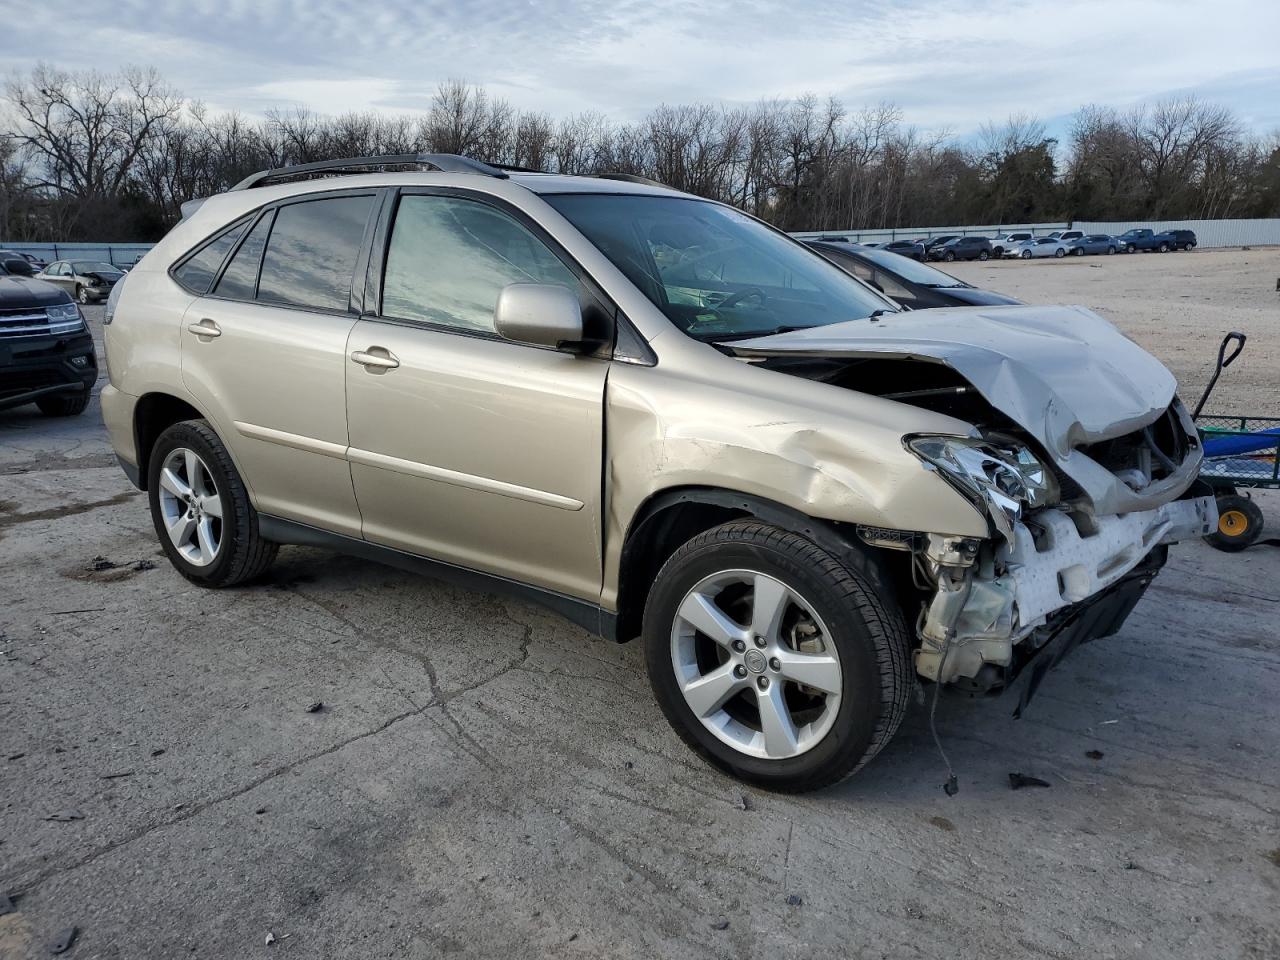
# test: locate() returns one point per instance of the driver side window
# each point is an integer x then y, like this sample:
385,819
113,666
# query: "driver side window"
449,258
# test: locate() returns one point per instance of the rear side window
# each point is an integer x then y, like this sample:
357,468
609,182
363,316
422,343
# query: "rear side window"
312,253
450,258
240,279
199,270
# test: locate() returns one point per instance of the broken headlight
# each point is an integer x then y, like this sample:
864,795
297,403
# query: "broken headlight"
1006,477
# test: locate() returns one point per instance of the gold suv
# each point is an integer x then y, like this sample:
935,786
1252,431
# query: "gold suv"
661,417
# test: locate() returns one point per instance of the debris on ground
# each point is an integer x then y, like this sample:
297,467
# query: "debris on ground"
942,823
65,816
116,776
15,756
142,565
1094,754
744,802
720,924
627,764
1019,780
795,900
98,564
62,943
260,811
316,707
6,904
271,938
157,751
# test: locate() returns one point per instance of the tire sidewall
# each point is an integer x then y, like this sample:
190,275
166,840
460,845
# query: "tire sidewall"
853,731
187,434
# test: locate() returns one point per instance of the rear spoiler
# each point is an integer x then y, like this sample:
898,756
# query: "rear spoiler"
191,206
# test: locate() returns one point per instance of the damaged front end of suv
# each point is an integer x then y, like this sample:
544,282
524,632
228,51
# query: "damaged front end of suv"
1080,457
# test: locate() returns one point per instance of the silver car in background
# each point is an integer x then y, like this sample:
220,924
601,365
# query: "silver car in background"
1038,247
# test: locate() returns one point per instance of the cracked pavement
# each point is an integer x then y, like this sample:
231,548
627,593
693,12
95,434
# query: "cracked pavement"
484,779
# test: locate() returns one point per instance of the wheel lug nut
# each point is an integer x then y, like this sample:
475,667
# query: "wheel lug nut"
760,641
739,646
762,683
739,671
775,663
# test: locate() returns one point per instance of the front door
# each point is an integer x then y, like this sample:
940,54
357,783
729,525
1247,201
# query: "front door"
465,447
265,353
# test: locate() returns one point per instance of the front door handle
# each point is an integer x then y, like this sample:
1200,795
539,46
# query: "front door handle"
376,359
206,329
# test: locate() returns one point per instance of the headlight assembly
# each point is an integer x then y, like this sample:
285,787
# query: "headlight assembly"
1005,477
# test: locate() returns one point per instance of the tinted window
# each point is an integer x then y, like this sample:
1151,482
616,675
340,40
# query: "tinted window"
240,279
198,272
449,259
312,253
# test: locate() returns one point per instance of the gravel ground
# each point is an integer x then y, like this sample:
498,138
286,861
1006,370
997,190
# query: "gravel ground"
484,779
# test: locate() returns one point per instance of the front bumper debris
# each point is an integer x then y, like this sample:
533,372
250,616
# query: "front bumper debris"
991,599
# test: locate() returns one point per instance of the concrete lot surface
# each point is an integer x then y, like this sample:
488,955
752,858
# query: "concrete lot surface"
485,780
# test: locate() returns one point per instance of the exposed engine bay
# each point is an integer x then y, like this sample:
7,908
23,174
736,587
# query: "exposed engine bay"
1085,471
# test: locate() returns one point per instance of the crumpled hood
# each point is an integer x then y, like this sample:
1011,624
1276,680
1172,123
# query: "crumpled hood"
1064,374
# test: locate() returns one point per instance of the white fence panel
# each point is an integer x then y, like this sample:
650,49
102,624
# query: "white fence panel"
1209,233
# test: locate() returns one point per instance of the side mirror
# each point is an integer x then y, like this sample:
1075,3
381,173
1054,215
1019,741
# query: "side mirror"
542,314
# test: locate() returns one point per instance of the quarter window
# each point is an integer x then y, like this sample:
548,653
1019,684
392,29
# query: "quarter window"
240,279
312,251
450,258
200,269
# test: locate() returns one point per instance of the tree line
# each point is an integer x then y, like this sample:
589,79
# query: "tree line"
93,156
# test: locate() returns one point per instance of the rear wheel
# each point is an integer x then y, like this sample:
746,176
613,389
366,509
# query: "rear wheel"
82,293
1110,251
1239,523
1164,248
201,509
1060,253
773,659
63,404
983,255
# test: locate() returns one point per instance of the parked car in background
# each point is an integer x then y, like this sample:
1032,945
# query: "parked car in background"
932,242
962,248
46,352
1093,243
1037,247
1147,240
663,419
1002,243
1182,239
89,281
1065,235
915,285
914,249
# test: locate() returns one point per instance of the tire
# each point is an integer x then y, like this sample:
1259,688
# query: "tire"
82,294
1239,523
984,256
998,252
1059,253
1164,248
240,553
949,256
1025,255
1130,249
839,604
64,404
1078,252
1111,251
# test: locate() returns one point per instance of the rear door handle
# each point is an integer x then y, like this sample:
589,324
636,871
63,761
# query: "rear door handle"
376,359
206,329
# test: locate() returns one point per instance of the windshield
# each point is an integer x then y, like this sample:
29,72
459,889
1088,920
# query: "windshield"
93,266
910,270
715,272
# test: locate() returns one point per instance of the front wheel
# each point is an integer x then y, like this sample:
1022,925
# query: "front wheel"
775,660
1059,253
949,256
1078,251
201,509
1131,249
1164,248
1111,251
983,255
1026,254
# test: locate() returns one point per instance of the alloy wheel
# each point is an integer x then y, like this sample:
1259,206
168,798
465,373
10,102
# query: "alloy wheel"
756,664
191,507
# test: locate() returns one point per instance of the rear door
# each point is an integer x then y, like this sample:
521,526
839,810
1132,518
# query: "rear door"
466,447
264,352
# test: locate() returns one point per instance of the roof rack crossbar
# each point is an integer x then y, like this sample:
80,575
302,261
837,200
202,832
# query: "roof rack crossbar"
444,162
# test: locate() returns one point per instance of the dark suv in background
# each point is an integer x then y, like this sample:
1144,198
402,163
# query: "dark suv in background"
962,248
46,352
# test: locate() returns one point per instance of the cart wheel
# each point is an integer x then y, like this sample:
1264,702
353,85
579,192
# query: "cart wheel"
1239,523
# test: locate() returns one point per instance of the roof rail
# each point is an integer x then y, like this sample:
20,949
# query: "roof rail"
444,162
633,178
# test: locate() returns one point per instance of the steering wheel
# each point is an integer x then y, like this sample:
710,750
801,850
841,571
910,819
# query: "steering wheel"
733,299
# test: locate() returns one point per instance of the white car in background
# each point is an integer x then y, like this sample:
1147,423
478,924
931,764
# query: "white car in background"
1006,241
1038,247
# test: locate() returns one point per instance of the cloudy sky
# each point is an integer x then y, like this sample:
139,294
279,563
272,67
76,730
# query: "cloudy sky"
948,65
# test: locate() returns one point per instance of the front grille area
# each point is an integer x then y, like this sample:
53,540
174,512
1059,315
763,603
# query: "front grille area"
1153,452
34,322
